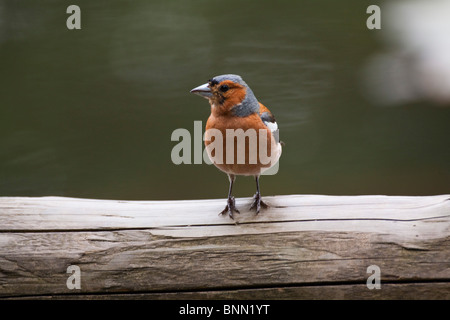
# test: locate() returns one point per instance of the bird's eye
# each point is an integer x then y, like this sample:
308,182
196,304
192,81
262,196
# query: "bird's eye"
224,88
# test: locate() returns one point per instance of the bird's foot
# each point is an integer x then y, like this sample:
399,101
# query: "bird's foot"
258,203
230,208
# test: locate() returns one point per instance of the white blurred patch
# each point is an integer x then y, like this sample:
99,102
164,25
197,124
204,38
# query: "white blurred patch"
273,126
416,63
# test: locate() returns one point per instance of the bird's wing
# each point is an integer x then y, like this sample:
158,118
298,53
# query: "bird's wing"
269,120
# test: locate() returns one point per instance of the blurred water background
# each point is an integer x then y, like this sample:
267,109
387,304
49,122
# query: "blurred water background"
89,113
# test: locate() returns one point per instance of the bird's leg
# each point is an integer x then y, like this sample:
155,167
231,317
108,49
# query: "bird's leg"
257,201
230,207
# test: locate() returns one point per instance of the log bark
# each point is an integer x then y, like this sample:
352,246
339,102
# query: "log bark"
302,247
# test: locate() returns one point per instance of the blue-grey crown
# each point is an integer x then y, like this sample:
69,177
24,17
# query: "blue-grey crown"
232,77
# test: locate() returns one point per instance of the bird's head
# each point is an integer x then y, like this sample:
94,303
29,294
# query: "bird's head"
229,93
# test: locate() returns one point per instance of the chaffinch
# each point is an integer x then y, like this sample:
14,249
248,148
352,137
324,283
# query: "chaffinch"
237,117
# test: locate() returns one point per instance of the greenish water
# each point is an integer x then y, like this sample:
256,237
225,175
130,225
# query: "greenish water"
90,112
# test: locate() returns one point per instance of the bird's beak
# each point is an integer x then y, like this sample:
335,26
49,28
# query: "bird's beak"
203,91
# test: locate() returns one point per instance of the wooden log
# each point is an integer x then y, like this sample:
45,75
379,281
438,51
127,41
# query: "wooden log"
302,247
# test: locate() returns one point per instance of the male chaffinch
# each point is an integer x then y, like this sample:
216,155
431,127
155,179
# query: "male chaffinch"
236,113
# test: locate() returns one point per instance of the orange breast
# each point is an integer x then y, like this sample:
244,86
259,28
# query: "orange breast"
240,145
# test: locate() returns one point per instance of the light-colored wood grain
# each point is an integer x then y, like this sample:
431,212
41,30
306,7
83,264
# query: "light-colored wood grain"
169,249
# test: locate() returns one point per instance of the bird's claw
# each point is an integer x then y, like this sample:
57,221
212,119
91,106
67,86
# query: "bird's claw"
258,203
230,208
